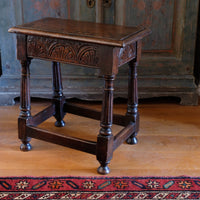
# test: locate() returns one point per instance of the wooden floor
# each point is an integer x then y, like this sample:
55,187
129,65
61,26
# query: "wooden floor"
169,144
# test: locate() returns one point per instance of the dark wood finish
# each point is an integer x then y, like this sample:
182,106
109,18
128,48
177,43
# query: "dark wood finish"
67,51
96,33
43,115
101,46
128,53
58,96
72,142
105,137
25,105
81,111
94,114
124,134
132,109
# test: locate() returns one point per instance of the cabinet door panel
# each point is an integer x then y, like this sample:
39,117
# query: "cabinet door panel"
156,14
167,64
34,10
166,67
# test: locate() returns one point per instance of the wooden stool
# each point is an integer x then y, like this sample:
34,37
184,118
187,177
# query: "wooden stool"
88,44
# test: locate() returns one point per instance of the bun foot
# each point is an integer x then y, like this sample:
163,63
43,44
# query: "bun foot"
60,123
132,140
25,147
103,170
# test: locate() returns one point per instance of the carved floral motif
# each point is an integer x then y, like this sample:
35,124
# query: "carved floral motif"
127,53
62,50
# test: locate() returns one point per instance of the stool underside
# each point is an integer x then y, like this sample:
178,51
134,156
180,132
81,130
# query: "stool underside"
76,143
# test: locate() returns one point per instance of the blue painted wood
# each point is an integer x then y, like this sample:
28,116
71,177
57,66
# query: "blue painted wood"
166,68
109,13
167,64
9,81
156,14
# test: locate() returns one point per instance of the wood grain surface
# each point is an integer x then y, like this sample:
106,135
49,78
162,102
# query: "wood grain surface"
99,33
169,144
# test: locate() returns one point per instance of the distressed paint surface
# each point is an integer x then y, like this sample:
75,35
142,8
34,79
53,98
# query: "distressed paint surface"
109,13
86,14
37,9
156,14
7,41
72,9
167,70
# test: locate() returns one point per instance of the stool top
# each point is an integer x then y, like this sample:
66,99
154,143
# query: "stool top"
99,33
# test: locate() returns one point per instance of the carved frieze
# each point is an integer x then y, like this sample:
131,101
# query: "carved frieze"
127,53
62,50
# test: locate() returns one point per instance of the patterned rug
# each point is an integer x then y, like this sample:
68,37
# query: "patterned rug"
27,188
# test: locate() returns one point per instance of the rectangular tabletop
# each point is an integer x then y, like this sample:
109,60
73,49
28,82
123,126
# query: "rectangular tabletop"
98,33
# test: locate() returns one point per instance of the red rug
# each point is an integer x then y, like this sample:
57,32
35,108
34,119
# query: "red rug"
99,188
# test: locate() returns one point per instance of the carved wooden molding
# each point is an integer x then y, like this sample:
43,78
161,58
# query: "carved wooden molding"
62,50
127,53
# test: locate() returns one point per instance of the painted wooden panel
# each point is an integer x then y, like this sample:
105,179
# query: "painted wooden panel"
72,9
9,81
7,41
33,10
166,68
109,13
22,11
168,54
155,14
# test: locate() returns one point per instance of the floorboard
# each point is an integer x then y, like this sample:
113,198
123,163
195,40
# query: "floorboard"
169,144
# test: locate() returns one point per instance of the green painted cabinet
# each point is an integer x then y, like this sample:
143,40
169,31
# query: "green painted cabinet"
166,67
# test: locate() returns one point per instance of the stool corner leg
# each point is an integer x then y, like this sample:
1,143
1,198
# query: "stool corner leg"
132,108
60,123
58,96
25,146
103,169
25,105
104,152
132,139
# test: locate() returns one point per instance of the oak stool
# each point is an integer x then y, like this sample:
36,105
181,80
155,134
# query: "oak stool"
95,45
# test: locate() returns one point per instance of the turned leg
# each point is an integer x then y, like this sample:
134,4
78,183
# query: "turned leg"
58,96
132,109
25,106
105,137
